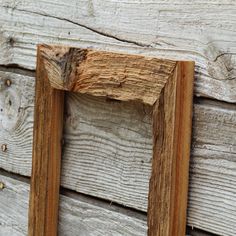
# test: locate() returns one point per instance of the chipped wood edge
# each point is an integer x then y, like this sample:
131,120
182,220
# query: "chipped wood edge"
171,87
68,67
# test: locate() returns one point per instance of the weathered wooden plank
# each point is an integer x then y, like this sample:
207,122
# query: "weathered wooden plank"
123,77
13,206
78,215
16,107
212,193
121,144
202,31
212,190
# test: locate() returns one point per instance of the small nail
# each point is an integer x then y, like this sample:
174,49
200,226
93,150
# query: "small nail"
8,82
4,147
1,186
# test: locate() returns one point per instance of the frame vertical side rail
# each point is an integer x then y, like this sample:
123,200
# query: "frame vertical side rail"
184,75
168,189
46,163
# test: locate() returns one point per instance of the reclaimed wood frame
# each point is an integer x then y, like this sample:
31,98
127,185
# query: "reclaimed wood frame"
166,85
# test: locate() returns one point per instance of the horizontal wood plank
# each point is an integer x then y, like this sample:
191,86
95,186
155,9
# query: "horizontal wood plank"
16,122
123,77
212,192
78,215
202,31
108,149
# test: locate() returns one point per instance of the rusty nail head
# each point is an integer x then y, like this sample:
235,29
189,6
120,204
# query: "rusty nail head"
4,147
8,82
1,186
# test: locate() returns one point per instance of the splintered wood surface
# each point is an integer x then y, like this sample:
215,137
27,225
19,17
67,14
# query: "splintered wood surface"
165,85
118,76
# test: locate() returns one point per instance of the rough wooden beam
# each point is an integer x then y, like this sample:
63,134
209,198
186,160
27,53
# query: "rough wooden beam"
166,85
118,76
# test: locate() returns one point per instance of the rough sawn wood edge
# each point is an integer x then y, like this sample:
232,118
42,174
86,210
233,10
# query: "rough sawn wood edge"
164,84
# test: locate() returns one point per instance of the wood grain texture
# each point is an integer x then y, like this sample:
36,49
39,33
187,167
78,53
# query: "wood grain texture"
16,107
108,149
172,119
182,141
167,85
78,215
122,77
203,32
213,168
212,174
46,160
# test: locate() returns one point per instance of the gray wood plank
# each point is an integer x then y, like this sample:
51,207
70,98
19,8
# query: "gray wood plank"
108,149
212,191
202,31
78,215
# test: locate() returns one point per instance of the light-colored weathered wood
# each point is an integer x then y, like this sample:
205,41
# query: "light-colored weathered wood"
212,174
166,85
78,215
202,31
16,107
108,149
212,190
46,160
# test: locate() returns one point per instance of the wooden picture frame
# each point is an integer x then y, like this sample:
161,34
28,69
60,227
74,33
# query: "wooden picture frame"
166,85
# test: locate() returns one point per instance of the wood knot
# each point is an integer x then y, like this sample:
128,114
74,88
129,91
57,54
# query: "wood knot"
4,147
11,41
